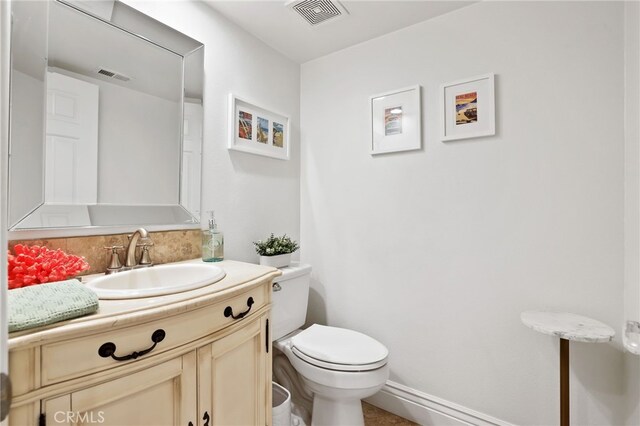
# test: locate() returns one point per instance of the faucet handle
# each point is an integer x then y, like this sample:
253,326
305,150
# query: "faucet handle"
145,259
114,263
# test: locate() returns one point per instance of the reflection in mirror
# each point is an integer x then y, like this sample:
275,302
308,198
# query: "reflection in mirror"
106,125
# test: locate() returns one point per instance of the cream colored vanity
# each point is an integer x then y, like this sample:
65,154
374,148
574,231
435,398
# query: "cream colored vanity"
198,358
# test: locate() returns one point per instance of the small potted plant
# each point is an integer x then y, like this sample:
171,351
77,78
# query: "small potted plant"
276,251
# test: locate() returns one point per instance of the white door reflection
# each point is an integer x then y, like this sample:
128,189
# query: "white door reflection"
71,154
191,156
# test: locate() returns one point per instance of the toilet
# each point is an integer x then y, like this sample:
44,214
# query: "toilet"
338,366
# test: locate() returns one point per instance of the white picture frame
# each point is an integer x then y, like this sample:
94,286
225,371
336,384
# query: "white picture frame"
257,130
468,108
395,121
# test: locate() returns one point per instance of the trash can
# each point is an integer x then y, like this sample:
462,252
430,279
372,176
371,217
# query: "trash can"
281,405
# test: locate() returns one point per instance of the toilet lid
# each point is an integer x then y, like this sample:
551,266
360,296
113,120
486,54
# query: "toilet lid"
339,348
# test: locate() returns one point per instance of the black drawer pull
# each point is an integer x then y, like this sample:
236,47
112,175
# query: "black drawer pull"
228,311
109,349
206,418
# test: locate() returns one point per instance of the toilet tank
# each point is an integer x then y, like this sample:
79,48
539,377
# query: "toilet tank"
290,294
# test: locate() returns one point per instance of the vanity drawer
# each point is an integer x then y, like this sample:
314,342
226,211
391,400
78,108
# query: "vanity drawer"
78,357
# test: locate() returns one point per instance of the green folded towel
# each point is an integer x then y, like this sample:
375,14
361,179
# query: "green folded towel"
44,304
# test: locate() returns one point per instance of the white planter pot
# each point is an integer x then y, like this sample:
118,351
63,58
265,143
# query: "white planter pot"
279,261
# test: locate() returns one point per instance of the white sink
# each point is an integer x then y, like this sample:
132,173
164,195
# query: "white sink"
155,281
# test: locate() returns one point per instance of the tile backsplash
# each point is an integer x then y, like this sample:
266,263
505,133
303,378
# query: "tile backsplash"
169,246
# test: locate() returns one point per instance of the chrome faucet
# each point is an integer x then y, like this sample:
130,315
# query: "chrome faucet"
130,260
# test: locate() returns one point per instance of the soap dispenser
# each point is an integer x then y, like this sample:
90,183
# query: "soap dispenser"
212,242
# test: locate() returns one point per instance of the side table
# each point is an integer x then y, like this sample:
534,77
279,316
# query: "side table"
567,327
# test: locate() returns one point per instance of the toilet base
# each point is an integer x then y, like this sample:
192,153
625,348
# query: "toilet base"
338,407
331,412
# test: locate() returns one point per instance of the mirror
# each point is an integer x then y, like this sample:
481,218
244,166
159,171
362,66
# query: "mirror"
105,118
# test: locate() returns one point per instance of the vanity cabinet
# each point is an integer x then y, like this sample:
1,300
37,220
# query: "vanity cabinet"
232,380
212,366
159,395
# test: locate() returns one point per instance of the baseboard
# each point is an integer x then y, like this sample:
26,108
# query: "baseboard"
428,410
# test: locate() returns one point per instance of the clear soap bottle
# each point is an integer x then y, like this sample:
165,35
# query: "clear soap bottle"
212,242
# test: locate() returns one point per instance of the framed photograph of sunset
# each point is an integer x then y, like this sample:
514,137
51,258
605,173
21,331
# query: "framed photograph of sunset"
468,108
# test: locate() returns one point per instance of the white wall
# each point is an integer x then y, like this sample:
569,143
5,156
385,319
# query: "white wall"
252,195
436,252
632,199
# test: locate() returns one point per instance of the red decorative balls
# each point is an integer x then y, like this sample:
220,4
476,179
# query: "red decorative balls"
38,265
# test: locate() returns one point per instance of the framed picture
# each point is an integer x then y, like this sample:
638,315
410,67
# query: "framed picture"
257,130
468,108
395,121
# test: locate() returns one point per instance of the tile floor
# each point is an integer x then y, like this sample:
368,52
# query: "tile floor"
374,416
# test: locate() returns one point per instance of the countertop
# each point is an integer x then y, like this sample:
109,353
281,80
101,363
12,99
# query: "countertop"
239,277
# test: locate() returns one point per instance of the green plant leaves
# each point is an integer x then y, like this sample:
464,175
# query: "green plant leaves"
274,246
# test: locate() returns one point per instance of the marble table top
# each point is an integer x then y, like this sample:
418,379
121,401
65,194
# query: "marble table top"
568,326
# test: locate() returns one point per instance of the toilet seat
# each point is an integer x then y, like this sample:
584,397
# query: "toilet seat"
338,349
338,367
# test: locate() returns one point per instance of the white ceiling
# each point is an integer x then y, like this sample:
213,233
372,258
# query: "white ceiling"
284,30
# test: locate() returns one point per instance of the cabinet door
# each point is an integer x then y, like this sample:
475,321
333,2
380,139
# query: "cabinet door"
234,378
164,394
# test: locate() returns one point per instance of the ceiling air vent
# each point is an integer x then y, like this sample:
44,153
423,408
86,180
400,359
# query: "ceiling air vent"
316,12
113,74
107,73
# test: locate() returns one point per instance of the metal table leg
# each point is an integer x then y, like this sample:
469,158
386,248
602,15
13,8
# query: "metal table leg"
564,382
